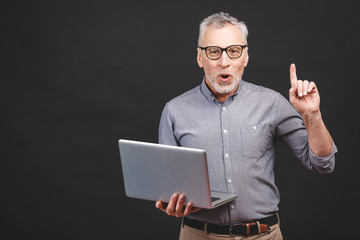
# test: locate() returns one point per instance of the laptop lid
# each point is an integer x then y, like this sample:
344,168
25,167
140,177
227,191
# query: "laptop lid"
155,172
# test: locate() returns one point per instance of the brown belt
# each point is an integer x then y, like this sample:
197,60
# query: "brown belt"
239,229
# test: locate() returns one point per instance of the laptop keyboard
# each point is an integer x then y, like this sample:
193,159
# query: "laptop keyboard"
213,199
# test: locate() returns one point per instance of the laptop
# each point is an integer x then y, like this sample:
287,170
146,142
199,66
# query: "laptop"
155,172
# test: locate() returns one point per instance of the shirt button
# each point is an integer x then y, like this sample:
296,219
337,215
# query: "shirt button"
224,108
254,127
232,206
225,131
229,180
226,155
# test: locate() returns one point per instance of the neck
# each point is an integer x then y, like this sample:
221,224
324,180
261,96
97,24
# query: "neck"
221,97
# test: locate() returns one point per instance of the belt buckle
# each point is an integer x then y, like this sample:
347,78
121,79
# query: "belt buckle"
234,225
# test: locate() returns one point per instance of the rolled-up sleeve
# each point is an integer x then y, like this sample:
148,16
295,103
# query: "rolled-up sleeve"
292,131
323,165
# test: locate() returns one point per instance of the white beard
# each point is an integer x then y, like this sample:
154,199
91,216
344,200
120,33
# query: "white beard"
224,88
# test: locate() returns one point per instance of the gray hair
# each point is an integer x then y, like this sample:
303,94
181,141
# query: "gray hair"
219,20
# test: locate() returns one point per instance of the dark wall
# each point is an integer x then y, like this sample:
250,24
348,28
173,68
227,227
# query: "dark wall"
78,76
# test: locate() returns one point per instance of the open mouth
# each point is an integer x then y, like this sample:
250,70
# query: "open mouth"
224,77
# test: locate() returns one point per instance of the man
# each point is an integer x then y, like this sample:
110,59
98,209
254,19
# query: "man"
238,124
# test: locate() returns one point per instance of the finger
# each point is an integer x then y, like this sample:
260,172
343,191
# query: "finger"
191,209
300,88
305,87
311,87
179,206
159,205
170,210
195,209
293,77
188,208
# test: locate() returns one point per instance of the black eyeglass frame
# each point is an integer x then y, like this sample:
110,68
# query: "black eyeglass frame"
222,50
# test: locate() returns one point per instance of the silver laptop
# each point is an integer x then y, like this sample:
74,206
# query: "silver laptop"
155,172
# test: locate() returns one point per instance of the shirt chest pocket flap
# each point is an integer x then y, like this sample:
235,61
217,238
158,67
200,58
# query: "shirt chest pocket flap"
255,139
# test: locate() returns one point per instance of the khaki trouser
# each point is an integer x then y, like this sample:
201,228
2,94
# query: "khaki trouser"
189,233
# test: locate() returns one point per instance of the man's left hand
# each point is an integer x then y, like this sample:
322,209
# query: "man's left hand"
303,95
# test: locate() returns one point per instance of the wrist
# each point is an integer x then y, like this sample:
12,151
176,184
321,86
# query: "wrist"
312,119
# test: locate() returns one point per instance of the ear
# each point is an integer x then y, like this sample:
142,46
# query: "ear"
247,57
199,58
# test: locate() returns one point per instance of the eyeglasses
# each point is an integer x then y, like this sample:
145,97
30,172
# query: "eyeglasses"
233,51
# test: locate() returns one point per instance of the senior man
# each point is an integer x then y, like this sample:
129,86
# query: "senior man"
238,124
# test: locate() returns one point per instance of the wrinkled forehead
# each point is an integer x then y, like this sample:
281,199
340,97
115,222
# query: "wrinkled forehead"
222,36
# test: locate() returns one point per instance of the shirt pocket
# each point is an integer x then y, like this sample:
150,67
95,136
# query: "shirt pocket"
255,139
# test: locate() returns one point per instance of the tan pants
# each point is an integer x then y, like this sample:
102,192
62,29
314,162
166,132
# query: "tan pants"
189,233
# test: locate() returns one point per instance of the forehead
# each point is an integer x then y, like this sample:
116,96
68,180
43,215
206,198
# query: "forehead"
222,37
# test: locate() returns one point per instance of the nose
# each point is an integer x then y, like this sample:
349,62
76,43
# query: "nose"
224,60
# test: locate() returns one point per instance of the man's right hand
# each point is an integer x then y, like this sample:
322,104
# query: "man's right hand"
176,207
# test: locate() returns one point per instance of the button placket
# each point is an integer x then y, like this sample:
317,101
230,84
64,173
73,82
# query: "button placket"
226,147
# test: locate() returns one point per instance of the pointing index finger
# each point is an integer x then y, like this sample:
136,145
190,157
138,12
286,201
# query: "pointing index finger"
293,77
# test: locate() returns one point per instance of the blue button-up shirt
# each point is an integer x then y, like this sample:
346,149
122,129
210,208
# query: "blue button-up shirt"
239,137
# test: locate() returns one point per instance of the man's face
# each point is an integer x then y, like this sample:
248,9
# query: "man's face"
224,74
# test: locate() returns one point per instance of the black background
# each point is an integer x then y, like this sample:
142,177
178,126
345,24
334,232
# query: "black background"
77,76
